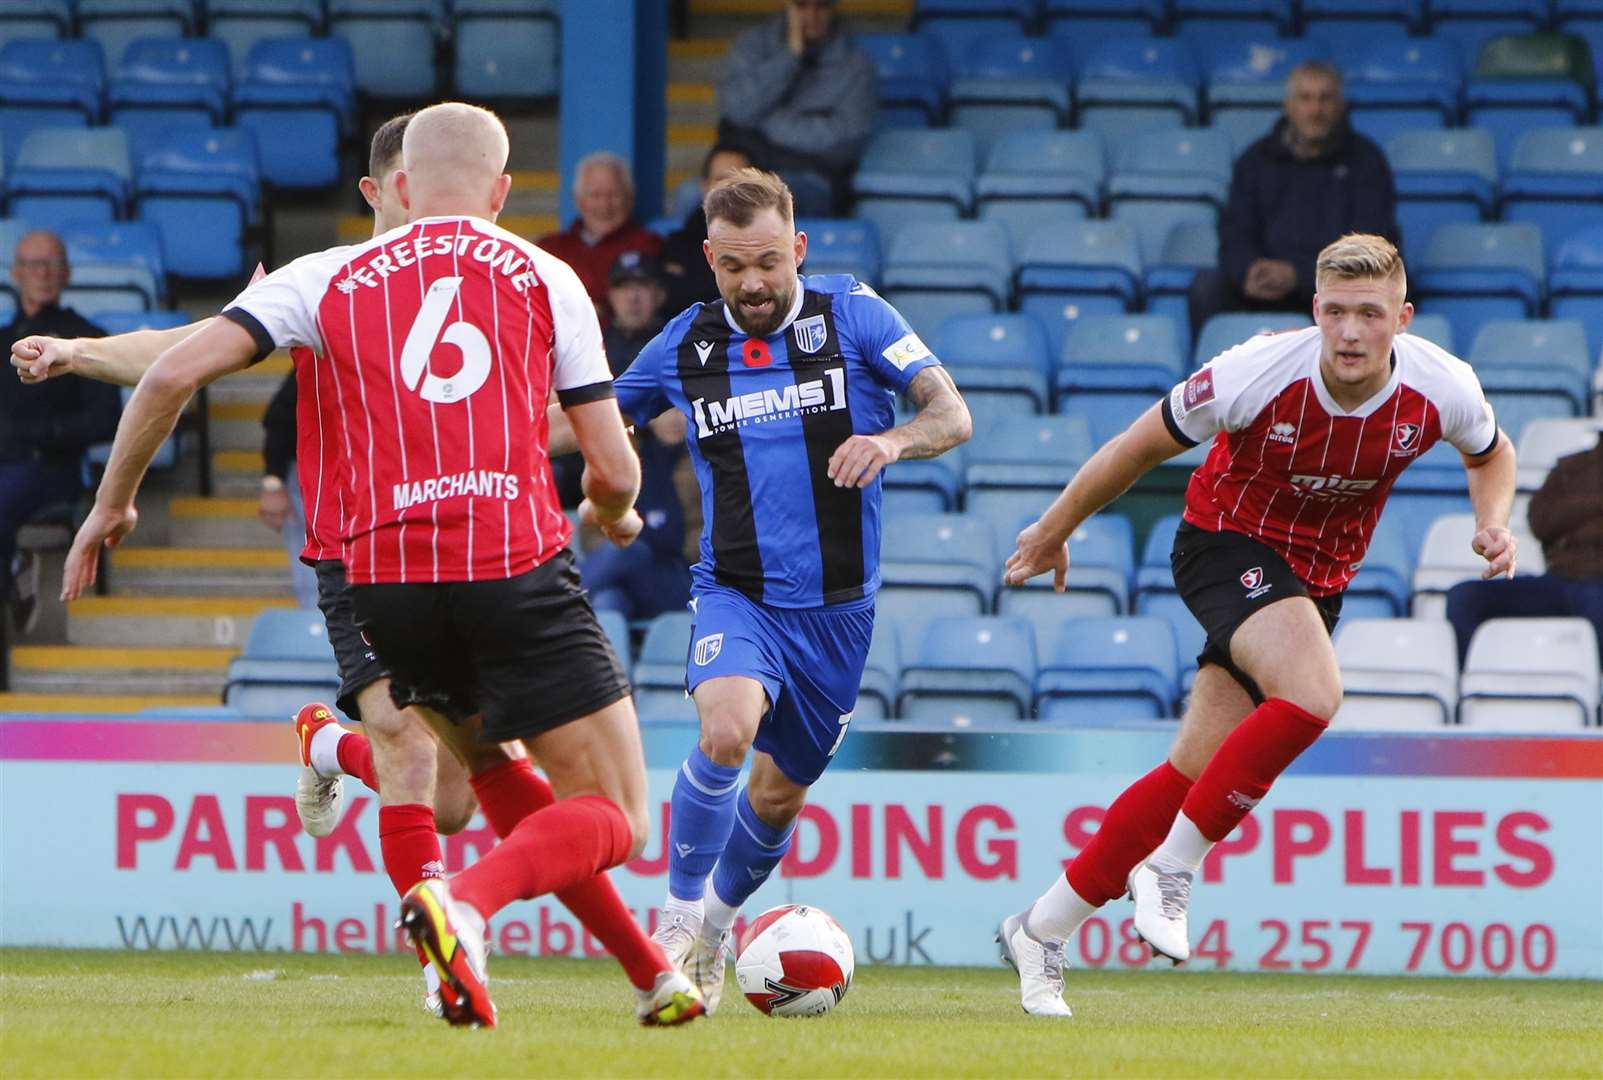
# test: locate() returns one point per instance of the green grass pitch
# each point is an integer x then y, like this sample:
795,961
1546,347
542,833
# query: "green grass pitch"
94,1014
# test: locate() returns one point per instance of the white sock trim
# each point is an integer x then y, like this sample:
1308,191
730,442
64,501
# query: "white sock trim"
324,751
719,915
1058,913
1183,849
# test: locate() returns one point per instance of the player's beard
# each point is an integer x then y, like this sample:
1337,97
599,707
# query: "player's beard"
762,326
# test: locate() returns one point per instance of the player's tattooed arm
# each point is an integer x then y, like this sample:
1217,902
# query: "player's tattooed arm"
121,359
941,423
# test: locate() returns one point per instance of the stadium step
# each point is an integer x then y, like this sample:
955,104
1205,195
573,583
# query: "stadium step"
75,669
69,704
692,103
696,60
185,571
219,522
169,621
236,425
534,191
237,473
688,144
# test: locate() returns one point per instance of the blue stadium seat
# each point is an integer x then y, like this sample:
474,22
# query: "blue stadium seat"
1073,268
1232,328
202,190
1172,164
297,96
11,230
1011,81
1154,576
34,19
940,552
1120,354
1155,219
1247,76
1470,24
168,83
277,693
1438,470
1102,553
1353,24
931,485
392,44
665,704
1110,669
1512,107
1434,329
1035,177
1576,284
947,267
1442,176
1098,20
1544,358
913,608
911,76
240,24
63,174
1189,247
842,246
1555,181
505,49
915,176
983,666
1204,23
1583,18
882,674
997,354
1039,452
1396,84
288,634
616,627
1473,273
116,24
663,652
17,122
957,23
1381,587
1190,637
1130,85
126,246
62,77
123,322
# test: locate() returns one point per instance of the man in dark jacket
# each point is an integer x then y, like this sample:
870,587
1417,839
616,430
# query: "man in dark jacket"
44,428
1308,182
685,270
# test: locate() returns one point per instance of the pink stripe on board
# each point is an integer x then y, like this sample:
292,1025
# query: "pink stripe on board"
201,741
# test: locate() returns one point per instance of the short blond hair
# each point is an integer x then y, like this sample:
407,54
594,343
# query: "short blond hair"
1359,256
743,194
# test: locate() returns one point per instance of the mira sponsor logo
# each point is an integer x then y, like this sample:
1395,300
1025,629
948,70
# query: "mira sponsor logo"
481,483
1331,487
774,403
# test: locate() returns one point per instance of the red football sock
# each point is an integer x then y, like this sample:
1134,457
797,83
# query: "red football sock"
355,754
1246,763
1134,825
511,792
409,844
566,843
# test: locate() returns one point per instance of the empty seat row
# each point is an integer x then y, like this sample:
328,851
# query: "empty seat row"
399,48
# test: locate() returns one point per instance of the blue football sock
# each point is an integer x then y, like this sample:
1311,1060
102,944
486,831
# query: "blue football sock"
702,812
754,849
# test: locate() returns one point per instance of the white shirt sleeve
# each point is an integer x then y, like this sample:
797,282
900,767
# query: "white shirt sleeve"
581,358
1217,398
1465,414
283,305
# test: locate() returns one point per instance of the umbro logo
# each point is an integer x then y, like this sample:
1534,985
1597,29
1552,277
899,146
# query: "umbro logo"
1244,802
1283,433
433,868
703,350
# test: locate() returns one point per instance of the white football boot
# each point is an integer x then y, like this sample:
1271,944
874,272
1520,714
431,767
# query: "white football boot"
317,797
1040,966
702,961
1162,900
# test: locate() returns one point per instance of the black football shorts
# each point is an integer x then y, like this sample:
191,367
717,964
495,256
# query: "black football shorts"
358,666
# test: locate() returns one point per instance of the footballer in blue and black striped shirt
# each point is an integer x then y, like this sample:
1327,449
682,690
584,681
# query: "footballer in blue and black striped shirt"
788,386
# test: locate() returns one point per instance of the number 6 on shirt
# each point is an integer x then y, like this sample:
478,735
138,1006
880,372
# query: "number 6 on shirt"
420,342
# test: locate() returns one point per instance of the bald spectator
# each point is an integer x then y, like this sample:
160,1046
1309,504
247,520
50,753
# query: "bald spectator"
604,191
797,95
686,272
1311,180
44,428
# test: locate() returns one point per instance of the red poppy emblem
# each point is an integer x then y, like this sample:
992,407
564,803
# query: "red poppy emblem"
755,353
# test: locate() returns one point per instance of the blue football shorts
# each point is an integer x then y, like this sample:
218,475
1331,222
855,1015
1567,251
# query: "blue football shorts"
810,662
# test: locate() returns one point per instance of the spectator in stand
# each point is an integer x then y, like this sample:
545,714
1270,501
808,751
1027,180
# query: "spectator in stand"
1566,515
1311,180
604,191
798,96
46,427
279,505
685,269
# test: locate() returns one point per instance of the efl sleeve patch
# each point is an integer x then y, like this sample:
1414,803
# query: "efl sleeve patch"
907,350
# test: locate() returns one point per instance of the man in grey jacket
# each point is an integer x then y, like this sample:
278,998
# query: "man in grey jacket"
798,95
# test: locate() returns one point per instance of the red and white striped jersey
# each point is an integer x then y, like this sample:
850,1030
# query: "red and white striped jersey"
1297,472
433,350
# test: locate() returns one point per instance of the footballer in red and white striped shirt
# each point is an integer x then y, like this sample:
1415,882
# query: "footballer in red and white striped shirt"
1310,430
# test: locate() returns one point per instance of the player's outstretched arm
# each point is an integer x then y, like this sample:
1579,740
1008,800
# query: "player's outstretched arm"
941,423
120,359
1491,494
611,479
166,388
1120,462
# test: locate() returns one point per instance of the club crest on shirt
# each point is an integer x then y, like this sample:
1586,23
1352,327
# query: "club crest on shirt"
708,648
1406,440
810,333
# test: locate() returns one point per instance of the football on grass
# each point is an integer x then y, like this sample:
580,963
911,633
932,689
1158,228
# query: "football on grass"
794,960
